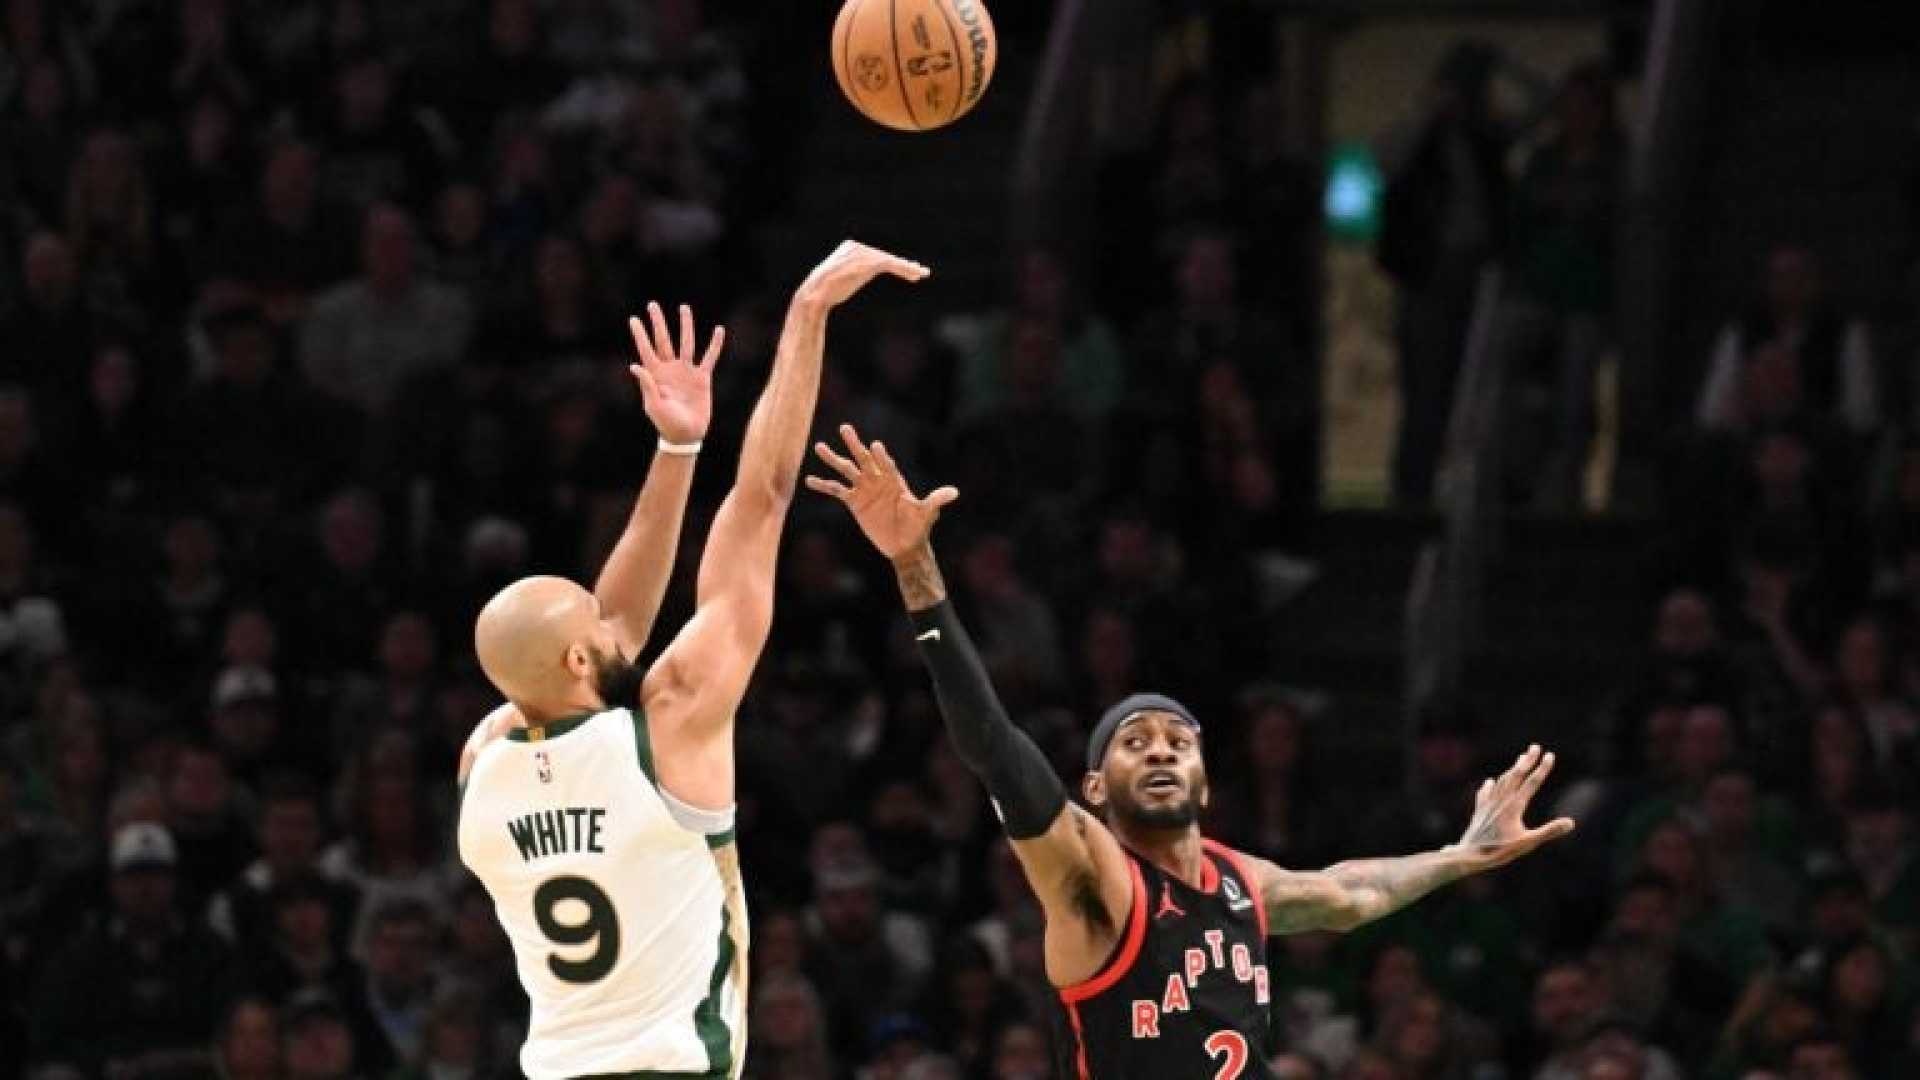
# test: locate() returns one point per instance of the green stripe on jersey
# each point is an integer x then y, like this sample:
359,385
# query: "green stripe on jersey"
707,1020
550,731
709,1075
644,741
718,840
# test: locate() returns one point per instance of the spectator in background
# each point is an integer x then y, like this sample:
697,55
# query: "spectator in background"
1281,808
1021,1054
252,438
790,1031
1093,371
248,1046
117,424
286,244
39,138
400,982
1881,849
44,339
362,340
349,590
203,172
864,957
111,218
291,827
1562,286
28,480
1867,675
511,72
1444,214
391,851
1793,335
384,149
144,991
401,697
317,1043
202,812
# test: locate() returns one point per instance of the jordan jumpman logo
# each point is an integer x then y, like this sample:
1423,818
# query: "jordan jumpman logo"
1167,906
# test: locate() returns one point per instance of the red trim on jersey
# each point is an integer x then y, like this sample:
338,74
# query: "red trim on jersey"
1129,948
1079,1042
1209,877
1244,868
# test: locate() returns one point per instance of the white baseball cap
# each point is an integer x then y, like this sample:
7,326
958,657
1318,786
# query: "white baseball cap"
143,844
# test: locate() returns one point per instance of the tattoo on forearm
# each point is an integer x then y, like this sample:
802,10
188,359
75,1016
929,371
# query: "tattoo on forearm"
919,575
1349,894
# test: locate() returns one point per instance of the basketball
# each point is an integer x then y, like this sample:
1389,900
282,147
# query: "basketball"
913,65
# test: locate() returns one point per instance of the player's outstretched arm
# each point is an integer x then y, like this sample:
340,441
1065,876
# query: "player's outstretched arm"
699,679
1074,864
676,388
1350,894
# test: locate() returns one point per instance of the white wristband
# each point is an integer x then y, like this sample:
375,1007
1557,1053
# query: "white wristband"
679,449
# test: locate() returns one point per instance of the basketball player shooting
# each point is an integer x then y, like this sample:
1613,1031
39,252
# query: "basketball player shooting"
597,805
1155,935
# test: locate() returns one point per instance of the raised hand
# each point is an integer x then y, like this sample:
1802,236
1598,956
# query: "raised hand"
1498,833
676,391
894,519
848,270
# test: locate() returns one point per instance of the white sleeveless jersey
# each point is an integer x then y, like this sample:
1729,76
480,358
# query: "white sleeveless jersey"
628,927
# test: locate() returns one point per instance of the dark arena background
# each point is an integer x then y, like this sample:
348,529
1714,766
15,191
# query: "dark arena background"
1396,382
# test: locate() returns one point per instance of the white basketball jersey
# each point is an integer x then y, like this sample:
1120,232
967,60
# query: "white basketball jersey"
629,928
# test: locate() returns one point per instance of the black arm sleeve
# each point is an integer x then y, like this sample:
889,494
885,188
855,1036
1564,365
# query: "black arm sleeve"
1026,792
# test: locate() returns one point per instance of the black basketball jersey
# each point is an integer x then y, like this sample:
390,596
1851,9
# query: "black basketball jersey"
1186,993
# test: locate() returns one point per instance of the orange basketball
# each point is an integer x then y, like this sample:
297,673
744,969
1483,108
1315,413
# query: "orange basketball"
914,65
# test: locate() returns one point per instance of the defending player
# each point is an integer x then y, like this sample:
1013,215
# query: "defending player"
597,807
1156,936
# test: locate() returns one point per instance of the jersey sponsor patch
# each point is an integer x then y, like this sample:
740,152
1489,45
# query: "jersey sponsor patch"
1236,900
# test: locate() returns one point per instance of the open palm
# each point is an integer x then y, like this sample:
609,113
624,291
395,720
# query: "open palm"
676,391
894,519
1498,833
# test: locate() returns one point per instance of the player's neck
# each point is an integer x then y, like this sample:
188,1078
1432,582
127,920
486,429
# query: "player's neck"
1175,851
550,713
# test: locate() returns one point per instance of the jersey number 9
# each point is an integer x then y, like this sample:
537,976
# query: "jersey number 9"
600,926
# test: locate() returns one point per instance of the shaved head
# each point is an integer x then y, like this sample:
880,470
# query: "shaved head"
543,645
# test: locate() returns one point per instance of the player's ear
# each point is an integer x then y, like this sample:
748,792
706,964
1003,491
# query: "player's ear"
578,662
1094,787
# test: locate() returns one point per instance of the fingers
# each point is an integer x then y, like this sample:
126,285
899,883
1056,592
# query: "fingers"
861,455
662,339
686,334
836,462
648,388
640,343
942,497
827,487
905,269
714,346
1480,797
1542,770
1522,765
1551,831
883,461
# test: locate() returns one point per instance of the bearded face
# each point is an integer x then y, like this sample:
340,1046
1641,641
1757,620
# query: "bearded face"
616,678
1154,776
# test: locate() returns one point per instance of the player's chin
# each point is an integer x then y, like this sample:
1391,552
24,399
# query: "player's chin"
1170,810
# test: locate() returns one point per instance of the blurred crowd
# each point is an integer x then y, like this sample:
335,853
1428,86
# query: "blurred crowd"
311,336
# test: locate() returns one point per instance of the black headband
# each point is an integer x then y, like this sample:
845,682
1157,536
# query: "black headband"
1111,720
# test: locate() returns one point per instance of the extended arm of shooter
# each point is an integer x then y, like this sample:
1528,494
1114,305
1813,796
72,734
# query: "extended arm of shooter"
702,675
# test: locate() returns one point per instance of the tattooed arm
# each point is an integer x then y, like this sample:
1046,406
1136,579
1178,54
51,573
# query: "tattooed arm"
1351,894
